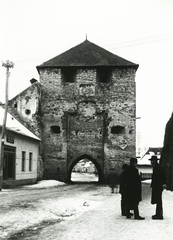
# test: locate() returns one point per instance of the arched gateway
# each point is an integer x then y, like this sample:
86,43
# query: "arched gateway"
85,156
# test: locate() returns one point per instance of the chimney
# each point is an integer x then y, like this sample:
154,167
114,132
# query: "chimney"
33,80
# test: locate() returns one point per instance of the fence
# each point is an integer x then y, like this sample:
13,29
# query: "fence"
145,176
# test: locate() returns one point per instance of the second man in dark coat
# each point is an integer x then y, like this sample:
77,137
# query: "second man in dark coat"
132,182
158,183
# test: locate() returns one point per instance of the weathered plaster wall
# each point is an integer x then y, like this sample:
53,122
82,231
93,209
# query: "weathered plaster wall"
85,111
25,108
119,148
86,117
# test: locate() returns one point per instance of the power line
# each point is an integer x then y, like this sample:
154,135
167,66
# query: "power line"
24,70
141,42
127,45
160,37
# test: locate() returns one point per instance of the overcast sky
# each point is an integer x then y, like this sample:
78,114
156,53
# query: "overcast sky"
33,31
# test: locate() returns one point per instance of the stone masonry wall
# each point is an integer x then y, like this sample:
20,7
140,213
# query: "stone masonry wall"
120,147
87,117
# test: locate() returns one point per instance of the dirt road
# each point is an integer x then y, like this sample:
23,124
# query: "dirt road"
79,211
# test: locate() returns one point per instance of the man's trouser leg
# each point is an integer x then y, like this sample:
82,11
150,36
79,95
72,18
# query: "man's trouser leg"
136,210
159,208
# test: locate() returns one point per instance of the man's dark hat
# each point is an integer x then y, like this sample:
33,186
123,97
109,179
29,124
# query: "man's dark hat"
154,157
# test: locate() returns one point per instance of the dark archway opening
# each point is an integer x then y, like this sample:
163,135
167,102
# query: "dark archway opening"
85,169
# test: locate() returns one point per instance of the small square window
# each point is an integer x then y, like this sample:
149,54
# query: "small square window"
117,130
68,74
27,111
104,74
55,129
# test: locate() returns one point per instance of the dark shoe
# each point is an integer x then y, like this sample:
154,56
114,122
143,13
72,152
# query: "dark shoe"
131,214
128,216
139,218
155,217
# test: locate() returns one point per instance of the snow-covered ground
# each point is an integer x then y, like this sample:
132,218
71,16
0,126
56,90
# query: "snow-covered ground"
84,177
106,218
45,184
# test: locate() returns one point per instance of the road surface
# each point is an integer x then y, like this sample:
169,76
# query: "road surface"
77,211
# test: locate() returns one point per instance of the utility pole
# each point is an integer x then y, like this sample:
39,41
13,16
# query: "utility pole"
138,139
7,65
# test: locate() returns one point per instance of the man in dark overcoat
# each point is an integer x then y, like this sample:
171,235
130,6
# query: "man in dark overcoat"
158,183
132,182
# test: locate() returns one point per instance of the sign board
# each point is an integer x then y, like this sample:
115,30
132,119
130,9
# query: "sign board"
10,139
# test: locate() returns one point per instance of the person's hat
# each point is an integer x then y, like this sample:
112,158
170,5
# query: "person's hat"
133,160
154,157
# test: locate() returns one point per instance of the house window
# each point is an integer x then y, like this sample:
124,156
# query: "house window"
130,131
30,161
117,130
55,129
104,74
68,74
27,111
23,160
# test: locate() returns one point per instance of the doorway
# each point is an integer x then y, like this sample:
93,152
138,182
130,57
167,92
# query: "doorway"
9,163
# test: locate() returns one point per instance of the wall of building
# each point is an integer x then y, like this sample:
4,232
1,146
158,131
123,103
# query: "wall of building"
92,117
25,108
28,145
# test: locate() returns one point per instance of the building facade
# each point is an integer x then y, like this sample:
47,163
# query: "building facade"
87,109
21,152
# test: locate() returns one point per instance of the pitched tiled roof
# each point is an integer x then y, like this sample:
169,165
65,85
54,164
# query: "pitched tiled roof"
87,54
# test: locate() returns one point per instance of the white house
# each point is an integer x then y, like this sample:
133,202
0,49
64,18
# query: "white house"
21,151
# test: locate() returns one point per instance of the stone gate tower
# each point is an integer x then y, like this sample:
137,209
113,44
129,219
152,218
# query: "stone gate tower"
88,110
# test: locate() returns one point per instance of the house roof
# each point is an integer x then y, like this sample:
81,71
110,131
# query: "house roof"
147,155
87,54
13,125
